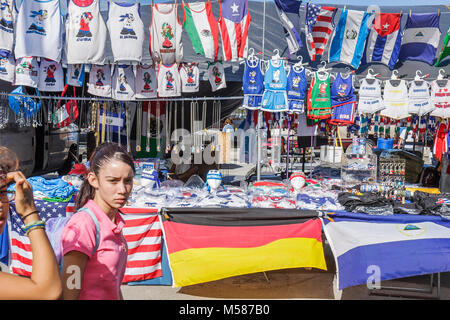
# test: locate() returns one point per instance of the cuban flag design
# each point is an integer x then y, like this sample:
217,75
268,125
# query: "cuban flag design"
384,40
421,38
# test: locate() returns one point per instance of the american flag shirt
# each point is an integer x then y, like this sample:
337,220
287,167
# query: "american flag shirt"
318,28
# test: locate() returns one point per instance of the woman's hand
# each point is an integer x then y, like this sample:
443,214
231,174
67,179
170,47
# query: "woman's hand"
24,201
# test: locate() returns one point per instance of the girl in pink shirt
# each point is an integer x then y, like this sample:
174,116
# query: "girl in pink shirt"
94,264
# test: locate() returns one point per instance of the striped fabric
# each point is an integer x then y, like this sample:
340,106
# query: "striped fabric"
319,27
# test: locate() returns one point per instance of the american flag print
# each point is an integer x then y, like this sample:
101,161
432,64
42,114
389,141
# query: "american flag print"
318,28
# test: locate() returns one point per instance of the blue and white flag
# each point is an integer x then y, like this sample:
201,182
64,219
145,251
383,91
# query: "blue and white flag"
349,38
421,38
371,248
384,41
289,13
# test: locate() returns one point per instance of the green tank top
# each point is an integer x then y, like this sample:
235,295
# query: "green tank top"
320,93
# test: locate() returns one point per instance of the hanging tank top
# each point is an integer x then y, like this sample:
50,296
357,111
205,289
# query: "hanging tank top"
296,83
342,91
39,30
202,28
26,72
190,75
369,96
123,87
419,98
169,82
100,80
395,99
85,33
320,93
275,77
7,67
252,84
7,25
51,76
146,82
440,93
216,75
126,31
165,34
75,75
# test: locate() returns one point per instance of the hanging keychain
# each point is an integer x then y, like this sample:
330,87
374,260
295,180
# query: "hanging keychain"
128,128
138,126
147,145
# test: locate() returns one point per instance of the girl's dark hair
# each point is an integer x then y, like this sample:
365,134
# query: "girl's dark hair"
104,153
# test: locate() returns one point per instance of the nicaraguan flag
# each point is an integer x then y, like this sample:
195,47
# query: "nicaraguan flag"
286,10
445,51
349,38
421,38
370,248
384,40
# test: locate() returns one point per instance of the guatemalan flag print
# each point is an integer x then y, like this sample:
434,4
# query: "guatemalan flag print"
349,38
234,22
421,38
384,40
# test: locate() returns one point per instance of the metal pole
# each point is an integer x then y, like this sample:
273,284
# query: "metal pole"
258,126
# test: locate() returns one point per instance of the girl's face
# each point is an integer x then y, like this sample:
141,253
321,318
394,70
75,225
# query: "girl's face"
113,183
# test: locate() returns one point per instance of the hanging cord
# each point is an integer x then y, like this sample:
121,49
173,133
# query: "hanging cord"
158,126
103,123
128,124
138,126
147,136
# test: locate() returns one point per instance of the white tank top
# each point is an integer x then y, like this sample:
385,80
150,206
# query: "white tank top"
51,76
126,31
370,89
26,72
123,83
169,82
146,82
189,74
440,94
100,80
7,25
7,68
39,30
419,90
165,34
75,75
216,76
85,33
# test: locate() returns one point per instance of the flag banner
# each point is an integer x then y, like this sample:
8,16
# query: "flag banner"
420,38
205,245
142,231
370,248
384,40
318,28
349,38
445,51
289,13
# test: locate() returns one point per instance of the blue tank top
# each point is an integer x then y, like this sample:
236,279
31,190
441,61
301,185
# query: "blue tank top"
253,79
275,77
296,83
342,91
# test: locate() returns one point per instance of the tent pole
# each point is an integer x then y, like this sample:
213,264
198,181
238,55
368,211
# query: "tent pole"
258,131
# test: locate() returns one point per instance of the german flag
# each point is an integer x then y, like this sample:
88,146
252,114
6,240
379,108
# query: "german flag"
210,244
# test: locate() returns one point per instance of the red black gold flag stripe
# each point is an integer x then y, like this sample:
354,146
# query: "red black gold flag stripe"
206,246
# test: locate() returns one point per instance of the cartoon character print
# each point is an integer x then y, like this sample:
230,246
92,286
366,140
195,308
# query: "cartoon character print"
123,82
167,34
276,76
170,80
190,74
85,30
342,89
37,25
127,28
147,81
100,78
50,78
3,62
217,75
252,76
6,20
323,89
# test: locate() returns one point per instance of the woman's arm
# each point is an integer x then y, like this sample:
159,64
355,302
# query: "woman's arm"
72,276
45,281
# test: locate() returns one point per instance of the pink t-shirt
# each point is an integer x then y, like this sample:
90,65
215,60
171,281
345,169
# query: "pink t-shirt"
105,268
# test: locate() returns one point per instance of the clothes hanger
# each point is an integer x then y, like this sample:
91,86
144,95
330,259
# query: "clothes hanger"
300,63
441,74
370,75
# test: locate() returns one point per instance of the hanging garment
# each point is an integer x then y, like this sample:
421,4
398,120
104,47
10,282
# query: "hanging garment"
190,77
275,81
146,82
100,80
39,30
319,25
234,22
85,33
296,89
445,51
123,88
343,100
395,100
75,75
7,25
349,38
252,84
421,37
202,28
169,81
51,76
384,40
319,97
440,145
419,98
216,75
26,72
165,34
440,98
126,31
7,67
370,100
285,10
